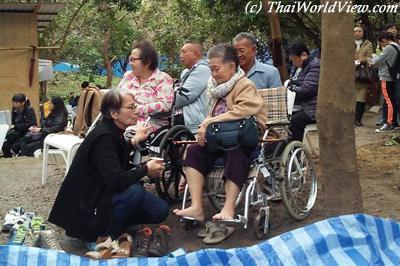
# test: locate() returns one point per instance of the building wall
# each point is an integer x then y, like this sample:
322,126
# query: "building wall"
17,31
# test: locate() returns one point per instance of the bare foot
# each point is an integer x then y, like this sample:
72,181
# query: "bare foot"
192,212
224,215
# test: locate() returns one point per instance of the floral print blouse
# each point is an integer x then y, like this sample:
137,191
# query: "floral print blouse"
154,95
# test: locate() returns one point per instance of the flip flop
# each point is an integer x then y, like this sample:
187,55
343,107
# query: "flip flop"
206,229
218,233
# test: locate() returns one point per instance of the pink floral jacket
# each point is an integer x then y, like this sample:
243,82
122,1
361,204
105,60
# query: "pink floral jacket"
154,95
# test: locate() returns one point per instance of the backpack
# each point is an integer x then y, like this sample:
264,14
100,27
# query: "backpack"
395,69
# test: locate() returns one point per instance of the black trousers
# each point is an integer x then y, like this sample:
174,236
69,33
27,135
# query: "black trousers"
297,124
12,137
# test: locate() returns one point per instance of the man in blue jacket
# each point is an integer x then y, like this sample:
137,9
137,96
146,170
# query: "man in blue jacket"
262,75
305,84
194,79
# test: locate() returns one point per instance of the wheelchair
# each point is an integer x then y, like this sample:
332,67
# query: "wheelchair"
281,170
169,143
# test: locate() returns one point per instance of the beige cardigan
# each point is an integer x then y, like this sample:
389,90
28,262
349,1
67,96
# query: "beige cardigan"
364,52
243,101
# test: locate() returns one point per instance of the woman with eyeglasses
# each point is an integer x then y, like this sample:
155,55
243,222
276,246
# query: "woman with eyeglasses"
152,88
102,194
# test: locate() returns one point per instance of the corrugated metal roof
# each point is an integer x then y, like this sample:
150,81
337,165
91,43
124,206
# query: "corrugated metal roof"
45,12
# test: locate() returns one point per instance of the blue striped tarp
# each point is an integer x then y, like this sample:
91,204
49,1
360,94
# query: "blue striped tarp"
345,240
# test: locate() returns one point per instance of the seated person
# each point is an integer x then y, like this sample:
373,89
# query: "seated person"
152,88
22,118
194,79
233,96
305,84
102,195
55,122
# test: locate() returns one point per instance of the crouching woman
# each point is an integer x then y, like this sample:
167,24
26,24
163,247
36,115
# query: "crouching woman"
101,194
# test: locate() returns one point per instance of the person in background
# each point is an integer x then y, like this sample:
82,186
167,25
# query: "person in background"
388,83
305,84
102,194
363,54
194,80
23,117
55,122
262,75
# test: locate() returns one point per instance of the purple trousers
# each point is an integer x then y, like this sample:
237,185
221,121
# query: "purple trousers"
236,162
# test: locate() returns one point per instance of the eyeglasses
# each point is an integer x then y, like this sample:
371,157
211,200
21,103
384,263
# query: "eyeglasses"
133,59
131,107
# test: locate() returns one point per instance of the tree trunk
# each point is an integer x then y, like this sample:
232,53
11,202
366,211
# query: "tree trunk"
335,116
277,47
107,61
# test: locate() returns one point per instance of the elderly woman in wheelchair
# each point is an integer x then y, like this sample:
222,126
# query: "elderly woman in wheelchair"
234,100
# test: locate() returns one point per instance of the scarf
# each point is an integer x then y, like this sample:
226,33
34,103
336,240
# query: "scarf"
216,91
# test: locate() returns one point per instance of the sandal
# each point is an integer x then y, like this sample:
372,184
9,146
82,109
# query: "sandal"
218,233
206,230
103,249
122,247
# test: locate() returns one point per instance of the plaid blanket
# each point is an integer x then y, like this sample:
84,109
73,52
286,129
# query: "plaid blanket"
275,102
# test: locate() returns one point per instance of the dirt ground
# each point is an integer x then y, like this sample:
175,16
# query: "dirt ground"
378,169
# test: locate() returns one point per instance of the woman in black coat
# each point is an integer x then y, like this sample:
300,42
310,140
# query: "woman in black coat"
101,194
23,117
55,122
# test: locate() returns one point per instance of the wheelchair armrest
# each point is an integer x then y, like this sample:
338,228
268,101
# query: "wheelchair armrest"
161,115
278,123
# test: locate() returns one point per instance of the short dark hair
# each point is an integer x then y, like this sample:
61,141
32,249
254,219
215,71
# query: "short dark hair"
297,47
246,35
85,84
385,35
112,101
59,106
225,51
148,54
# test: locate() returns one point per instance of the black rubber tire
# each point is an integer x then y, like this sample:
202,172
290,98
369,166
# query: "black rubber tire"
167,185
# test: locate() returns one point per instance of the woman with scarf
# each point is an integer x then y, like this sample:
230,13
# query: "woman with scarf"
232,96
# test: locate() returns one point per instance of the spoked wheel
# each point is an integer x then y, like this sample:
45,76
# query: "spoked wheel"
167,185
215,188
261,224
299,185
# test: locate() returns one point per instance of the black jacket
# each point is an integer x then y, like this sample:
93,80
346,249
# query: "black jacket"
83,206
54,122
307,90
22,121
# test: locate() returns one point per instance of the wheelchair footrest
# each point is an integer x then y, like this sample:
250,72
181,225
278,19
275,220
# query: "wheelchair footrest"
240,219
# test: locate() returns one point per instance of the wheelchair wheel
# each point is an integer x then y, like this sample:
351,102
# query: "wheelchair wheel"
299,185
167,185
215,188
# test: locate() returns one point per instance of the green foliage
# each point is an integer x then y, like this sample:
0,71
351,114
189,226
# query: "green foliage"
65,83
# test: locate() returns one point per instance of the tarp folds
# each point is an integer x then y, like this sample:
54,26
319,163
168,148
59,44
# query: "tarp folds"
345,240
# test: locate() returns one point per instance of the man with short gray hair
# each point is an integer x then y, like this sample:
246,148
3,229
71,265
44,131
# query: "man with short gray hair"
262,75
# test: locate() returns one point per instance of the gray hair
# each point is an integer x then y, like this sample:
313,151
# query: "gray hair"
227,52
246,35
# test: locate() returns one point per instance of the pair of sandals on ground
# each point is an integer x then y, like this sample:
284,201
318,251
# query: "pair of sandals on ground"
214,232
141,243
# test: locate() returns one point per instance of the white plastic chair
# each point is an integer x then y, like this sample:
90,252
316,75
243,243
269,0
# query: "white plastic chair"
3,133
66,145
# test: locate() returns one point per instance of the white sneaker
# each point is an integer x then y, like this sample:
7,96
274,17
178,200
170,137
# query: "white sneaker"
12,218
